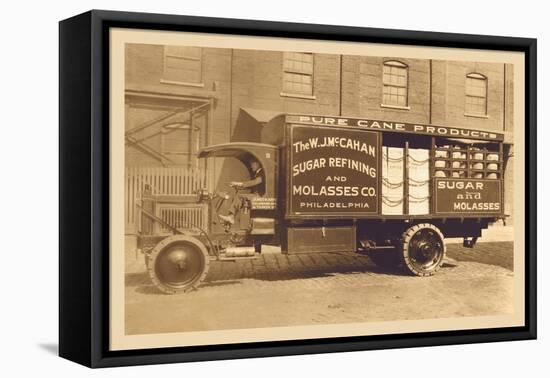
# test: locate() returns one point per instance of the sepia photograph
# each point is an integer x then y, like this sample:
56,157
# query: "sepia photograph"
273,189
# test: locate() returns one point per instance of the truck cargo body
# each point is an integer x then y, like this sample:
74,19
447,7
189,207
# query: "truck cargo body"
346,172
374,182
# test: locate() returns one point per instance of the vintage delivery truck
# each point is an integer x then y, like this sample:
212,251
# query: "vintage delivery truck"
315,184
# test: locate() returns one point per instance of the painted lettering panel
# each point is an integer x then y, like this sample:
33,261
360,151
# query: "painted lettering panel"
333,171
470,196
401,127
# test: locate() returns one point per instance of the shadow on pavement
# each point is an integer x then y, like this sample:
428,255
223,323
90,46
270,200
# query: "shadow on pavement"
491,253
230,273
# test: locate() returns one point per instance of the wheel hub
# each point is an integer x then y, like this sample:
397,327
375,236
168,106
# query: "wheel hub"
426,249
179,265
178,258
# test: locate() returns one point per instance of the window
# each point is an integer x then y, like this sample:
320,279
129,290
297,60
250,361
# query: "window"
476,94
395,80
298,73
182,64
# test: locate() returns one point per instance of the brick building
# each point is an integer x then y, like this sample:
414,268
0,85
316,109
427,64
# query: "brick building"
179,99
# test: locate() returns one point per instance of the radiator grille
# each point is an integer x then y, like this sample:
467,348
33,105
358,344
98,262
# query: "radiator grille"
183,216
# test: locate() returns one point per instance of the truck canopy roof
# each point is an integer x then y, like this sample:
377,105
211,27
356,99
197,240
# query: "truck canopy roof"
245,152
237,150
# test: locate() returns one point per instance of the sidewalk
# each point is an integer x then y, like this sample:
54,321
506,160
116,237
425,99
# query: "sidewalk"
495,233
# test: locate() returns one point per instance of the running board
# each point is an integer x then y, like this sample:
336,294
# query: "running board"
222,257
377,248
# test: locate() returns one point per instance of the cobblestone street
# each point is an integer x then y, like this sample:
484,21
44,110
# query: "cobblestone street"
279,290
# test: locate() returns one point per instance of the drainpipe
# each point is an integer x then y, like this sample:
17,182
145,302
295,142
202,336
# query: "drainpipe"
341,71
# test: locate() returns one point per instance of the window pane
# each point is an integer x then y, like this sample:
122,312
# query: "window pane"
476,94
182,63
298,62
394,81
402,100
298,73
287,64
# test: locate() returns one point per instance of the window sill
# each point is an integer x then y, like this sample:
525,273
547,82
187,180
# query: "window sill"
398,107
484,116
182,83
295,95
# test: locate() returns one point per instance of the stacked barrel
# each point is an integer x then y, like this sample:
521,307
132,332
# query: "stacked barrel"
492,165
418,183
466,162
418,161
477,165
392,180
452,161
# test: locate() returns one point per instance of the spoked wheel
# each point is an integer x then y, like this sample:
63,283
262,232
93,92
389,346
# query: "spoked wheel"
423,249
178,264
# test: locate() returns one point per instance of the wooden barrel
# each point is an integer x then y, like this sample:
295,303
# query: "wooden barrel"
459,164
458,155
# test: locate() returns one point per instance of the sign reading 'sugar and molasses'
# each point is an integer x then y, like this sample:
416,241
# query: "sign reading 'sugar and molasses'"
332,171
468,196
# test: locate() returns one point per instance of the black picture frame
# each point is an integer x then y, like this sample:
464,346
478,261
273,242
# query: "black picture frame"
84,189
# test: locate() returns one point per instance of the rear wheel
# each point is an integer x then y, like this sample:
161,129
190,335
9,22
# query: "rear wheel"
423,249
178,264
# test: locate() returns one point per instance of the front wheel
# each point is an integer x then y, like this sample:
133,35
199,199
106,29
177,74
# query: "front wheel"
178,264
423,249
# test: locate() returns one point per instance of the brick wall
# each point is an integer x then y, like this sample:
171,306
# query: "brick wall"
362,89
448,95
257,83
144,74
342,85
252,78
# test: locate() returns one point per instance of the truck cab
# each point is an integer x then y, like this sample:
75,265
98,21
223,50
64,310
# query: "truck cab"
258,212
